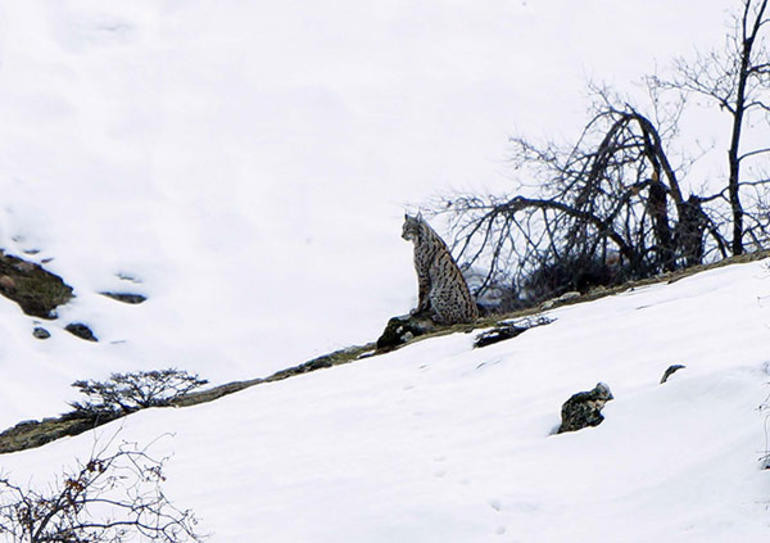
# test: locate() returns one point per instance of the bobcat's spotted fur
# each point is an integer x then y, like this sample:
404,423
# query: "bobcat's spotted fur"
441,286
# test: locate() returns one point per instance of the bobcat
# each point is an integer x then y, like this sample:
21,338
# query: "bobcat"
442,288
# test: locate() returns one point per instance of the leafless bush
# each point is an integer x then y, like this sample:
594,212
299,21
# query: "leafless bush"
127,392
112,497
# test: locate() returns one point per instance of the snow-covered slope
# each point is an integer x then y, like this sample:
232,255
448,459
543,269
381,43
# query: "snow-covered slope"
249,161
441,442
248,164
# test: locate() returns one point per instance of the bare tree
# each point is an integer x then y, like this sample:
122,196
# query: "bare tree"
606,209
737,79
612,206
112,497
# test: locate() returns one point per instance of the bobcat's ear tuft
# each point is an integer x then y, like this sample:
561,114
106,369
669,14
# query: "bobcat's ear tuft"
419,216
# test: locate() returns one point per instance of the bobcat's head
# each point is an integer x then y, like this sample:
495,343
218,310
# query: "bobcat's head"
412,227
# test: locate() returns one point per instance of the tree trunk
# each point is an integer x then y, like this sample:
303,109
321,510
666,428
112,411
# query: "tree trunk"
747,43
656,206
732,153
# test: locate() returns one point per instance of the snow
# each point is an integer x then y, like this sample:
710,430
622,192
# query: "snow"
248,164
441,442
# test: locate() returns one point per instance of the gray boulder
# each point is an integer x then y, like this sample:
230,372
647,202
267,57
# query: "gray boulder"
41,333
584,409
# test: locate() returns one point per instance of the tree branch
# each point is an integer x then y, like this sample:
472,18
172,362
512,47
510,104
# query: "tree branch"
520,202
753,153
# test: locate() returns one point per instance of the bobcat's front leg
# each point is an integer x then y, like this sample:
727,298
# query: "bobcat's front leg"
423,291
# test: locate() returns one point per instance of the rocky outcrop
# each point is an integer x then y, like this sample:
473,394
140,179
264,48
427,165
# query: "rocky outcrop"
401,329
32,433
37,291
584,409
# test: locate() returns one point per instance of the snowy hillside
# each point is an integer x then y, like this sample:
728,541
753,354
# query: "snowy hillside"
441,442
246,166
249,163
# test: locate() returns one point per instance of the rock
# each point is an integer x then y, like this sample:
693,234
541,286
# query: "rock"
401,329
35,289
81,330
125,297
41,333
584,409
567,296
7,282
508,330
671,369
